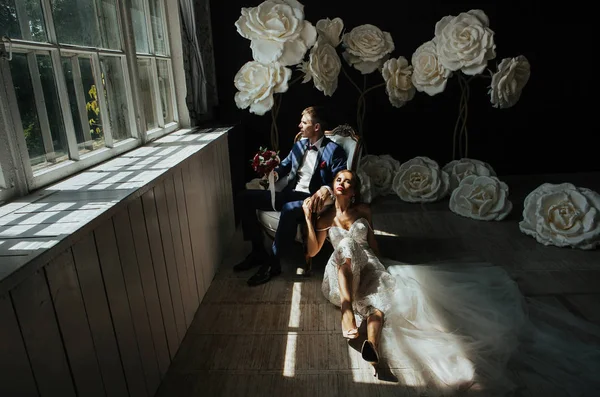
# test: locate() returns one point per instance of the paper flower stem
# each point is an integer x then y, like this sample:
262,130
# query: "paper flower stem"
275,112
297,79
460,127
350,80
274,130
372,88
361,105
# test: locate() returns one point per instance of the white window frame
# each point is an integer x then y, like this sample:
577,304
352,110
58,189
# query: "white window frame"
16,175
162,128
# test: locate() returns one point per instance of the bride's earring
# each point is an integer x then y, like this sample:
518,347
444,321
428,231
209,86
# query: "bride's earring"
353,199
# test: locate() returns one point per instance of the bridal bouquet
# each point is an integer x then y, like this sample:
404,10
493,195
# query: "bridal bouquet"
263,163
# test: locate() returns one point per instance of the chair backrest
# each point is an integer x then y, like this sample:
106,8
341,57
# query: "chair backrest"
345,136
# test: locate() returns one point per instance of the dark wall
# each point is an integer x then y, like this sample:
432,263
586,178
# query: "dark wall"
548,131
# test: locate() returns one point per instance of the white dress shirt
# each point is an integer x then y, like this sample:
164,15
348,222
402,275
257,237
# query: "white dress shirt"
305,172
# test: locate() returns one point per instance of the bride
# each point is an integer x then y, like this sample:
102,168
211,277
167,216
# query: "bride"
454,327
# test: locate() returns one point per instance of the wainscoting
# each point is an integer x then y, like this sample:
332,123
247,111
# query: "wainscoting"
102,310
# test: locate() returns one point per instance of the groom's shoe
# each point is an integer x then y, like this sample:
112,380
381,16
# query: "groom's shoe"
264,274
253,259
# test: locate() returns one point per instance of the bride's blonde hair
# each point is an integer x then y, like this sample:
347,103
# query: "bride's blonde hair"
355,184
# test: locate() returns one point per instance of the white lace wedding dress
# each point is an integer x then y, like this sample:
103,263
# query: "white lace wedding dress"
451,325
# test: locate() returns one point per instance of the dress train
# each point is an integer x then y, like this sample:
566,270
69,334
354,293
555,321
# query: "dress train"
453,326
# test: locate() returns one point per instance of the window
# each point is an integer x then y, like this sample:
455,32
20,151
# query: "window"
154,65
71,77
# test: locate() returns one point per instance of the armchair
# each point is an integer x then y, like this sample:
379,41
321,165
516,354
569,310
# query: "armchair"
345,136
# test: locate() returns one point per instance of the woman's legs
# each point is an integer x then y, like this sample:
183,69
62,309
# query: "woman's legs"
345,284
374,325
370,346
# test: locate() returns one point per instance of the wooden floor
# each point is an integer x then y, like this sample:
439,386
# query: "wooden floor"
284,339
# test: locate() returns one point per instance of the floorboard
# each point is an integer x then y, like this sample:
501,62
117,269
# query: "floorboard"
284,337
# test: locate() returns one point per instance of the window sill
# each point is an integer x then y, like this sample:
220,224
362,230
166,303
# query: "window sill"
35,228
52,174
156,133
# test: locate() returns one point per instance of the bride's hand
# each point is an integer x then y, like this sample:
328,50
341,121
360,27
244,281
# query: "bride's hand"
307,207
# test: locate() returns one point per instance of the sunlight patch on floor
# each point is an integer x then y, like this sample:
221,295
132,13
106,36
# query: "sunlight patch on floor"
289,366
382,233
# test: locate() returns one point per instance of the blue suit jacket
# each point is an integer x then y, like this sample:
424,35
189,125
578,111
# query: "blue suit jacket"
330,153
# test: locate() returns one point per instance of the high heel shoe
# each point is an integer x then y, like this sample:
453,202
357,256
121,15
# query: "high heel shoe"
351,333
369,354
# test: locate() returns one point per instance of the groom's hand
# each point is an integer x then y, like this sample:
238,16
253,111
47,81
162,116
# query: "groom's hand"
319,198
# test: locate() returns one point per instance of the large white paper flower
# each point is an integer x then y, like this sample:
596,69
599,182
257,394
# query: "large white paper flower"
508,82
398,81
459,169
278,31
367,47
323,68
256,84
330,31
483,198
465,42
429,75
420,180
381,171
562,215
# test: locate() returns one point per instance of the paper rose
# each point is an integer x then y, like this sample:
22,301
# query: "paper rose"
398,81
465,42
256,84
381,171
278,31
483,198
508,82
323,68
459,169
330,31
428,75
367,47
420,180
562,215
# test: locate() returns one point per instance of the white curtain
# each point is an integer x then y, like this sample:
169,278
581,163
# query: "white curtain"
197,97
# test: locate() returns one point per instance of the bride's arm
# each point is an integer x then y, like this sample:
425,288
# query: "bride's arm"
315,238
371,234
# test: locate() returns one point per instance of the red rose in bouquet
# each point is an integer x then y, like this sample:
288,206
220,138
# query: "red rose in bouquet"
265,161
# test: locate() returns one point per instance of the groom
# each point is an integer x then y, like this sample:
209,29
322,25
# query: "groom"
309,170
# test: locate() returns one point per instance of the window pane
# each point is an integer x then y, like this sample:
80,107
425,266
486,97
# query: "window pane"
76,22
39,108
140,29
22,19
83,105
116,93
158,27
57,130
92,105
68,70
164,85
19,70
109,25
145,76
